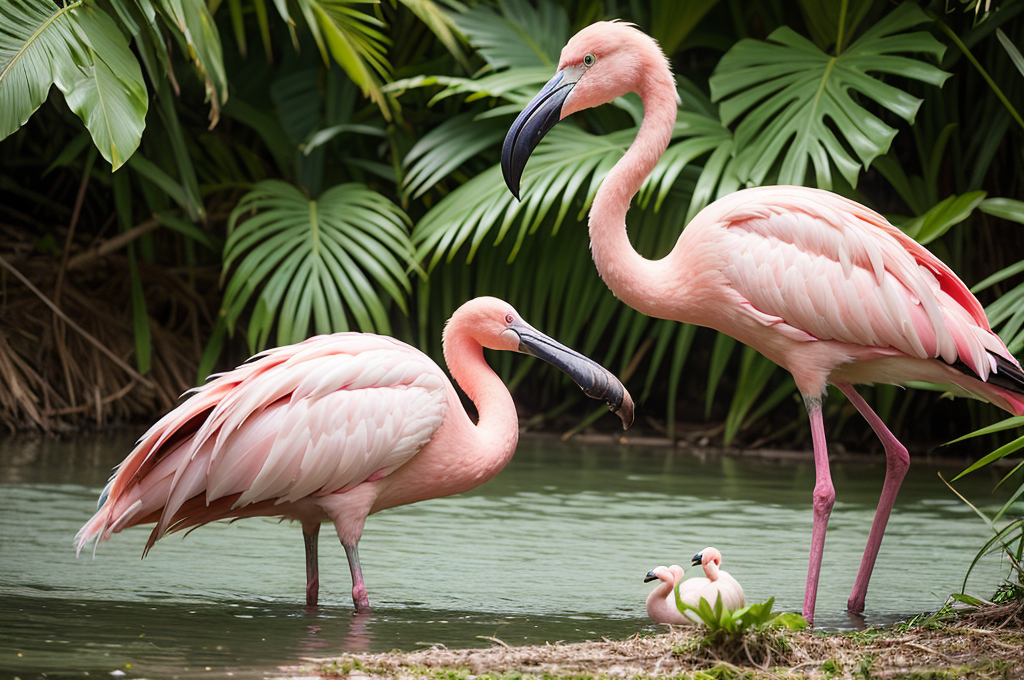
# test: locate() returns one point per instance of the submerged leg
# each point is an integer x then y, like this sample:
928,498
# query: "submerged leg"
310,532
824,498
359,596
897,461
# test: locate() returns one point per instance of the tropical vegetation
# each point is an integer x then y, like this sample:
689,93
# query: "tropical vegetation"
210,178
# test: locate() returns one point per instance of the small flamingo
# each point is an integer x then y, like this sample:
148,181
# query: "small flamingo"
822,286
334,429
661,603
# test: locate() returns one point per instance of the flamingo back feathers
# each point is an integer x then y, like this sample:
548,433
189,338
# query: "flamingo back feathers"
313,418
829,267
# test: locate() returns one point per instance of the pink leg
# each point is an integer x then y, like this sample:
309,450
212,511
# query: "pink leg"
309,534
897,461
824,498
359,596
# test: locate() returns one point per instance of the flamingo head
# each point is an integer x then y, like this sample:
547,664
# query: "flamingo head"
666,574
602,62
707,556
495,324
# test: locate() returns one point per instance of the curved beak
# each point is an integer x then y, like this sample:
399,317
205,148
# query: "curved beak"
650,577
594,379
539,116
697,559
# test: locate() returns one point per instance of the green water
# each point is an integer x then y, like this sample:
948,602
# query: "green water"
555,548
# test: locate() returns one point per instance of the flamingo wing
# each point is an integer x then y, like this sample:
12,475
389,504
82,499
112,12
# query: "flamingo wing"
314,418
817,266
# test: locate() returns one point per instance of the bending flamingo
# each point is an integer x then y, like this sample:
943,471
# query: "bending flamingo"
334,429
819,284
661,603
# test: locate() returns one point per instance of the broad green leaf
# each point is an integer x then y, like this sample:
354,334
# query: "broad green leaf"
104,85
81,49
35,39
795,98
314,262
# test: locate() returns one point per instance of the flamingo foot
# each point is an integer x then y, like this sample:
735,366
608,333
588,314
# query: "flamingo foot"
360,599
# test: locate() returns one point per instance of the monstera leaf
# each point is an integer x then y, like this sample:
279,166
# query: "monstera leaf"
79,48
794,99
319,260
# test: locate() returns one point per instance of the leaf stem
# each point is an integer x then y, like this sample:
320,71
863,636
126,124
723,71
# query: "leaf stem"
842,23
984,74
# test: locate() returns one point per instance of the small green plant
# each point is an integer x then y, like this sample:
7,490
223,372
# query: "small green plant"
753,631
720,620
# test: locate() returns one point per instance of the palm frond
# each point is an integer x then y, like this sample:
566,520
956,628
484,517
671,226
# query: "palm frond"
521,36
315,262
567,164
353,38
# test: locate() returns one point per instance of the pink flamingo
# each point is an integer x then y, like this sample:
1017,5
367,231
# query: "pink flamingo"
334,429
819,284
661,603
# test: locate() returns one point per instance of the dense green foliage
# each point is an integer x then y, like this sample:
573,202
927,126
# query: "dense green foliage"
336,162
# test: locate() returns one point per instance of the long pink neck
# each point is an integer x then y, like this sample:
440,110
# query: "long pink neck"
634,279
497,429
711,570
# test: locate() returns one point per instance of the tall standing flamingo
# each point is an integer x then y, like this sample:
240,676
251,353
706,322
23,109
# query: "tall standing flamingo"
334,429
819,284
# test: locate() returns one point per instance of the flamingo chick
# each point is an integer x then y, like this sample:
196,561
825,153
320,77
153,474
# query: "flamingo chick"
334,429
819,284
661,603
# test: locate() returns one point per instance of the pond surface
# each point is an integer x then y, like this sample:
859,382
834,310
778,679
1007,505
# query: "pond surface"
554,548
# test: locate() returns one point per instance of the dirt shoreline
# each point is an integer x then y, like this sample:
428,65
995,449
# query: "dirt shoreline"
972,647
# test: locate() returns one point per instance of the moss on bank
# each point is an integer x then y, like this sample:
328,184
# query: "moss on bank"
970,647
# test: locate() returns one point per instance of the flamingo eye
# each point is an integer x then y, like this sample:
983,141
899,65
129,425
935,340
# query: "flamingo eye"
589,60
509,318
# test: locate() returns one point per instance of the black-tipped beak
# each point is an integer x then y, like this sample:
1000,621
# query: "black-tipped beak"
594,379
650,577
539,116
697,559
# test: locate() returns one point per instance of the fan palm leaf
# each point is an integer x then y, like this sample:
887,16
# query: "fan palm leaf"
321,262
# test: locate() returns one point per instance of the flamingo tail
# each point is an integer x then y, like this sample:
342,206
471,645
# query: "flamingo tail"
1005,382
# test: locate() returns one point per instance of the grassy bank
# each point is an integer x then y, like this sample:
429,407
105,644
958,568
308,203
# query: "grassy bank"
987,644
